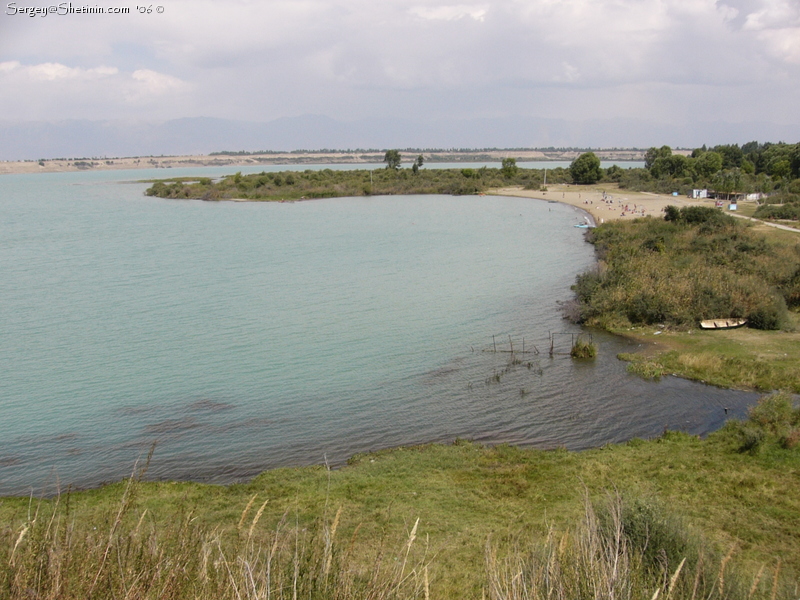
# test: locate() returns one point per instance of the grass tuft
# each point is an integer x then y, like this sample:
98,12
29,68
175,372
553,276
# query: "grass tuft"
583,349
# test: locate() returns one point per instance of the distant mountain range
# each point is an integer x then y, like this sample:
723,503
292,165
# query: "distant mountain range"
30,140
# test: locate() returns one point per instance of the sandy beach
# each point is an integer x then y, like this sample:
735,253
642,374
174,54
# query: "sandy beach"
604,202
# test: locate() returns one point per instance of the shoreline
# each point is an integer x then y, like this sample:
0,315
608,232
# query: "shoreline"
590,200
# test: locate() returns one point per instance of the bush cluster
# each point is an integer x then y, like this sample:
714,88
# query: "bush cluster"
695,264
774,419
784,212
329,183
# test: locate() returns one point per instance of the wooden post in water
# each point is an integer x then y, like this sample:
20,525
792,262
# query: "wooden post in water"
494,343
510,343
550,333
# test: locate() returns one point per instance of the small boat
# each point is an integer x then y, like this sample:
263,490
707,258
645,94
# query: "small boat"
585,225
722,323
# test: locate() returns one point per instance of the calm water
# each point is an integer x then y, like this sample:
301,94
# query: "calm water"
244,336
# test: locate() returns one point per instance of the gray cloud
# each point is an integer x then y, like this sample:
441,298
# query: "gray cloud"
669,61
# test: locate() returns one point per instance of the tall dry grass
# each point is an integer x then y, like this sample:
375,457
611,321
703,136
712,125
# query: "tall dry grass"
614,554
125,554
620,550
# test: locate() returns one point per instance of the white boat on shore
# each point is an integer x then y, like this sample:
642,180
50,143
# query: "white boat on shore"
722,323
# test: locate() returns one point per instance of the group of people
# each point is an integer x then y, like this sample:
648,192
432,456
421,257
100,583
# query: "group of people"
626,209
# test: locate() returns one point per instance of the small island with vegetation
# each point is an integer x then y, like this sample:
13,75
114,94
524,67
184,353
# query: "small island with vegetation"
330,183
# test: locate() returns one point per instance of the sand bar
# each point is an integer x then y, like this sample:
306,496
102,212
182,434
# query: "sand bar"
62,165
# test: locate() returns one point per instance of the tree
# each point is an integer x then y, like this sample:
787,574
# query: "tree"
709,163
655,153
614,172
417,164
509,167
675,165
392,159
795,164
586,169
731,155
780,168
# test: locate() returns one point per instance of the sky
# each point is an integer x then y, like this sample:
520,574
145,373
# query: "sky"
665,61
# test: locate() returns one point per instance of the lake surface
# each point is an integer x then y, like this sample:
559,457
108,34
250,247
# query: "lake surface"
245,336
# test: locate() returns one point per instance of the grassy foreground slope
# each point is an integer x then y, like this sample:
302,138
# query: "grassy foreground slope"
459,521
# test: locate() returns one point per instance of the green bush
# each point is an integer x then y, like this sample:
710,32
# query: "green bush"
771,316
785,212
583,349
673,271
751,439
774,413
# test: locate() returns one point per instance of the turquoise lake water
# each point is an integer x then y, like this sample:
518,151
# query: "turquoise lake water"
245,336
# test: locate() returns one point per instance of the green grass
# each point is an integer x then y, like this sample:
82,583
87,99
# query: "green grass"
735,358
464,496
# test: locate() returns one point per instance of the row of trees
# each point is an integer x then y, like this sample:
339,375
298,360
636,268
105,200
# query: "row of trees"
774,160
727,168
771,169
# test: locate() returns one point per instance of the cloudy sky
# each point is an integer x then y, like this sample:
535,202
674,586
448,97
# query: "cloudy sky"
667,61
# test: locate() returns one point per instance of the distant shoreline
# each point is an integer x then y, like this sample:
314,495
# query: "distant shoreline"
63,165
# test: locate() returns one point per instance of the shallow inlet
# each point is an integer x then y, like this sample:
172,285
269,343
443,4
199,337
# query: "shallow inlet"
244,336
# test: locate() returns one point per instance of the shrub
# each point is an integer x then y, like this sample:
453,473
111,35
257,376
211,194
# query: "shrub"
583,349
774,413
771,316
787,212
750,439
659,537
586,284
791,439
